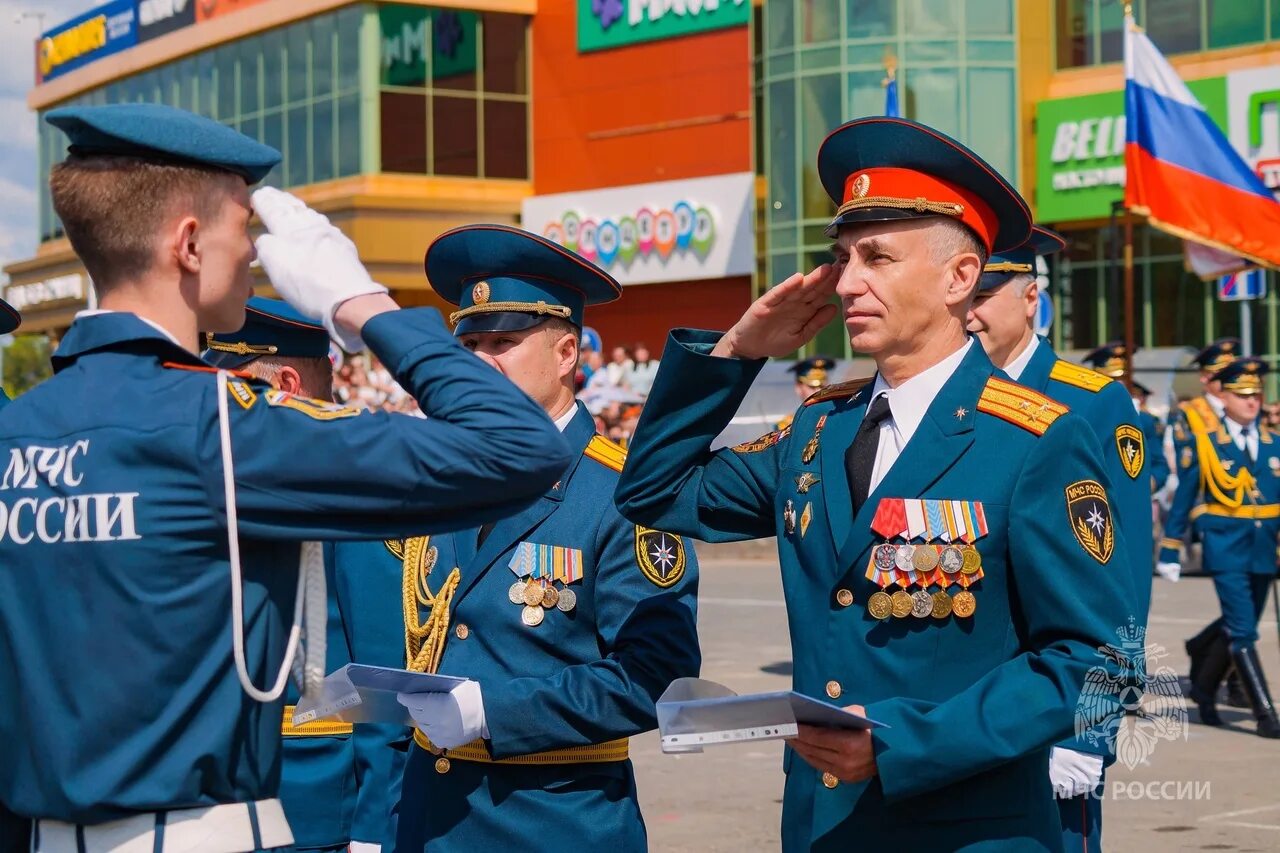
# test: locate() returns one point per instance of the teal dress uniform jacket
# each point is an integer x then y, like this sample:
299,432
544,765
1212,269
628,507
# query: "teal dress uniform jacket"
972,704
585,677
15,832
118,694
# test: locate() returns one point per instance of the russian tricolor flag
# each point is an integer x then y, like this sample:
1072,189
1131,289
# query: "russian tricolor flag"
1180,170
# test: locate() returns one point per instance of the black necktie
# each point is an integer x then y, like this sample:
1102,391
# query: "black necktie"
1245,432
860,458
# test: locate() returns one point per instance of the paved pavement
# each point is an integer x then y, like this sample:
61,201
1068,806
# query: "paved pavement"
1217,789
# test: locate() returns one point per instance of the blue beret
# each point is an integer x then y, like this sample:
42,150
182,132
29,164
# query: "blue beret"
1218,354
273,328
165,134
1005,265
1242,376
881,168
505,279
1107,359
9,318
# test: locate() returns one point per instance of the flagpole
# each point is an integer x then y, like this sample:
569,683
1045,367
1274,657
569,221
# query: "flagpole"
1129,336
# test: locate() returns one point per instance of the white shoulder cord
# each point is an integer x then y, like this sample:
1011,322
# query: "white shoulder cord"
305,572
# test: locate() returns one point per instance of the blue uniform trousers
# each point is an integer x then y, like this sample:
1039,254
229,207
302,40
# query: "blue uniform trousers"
1241,597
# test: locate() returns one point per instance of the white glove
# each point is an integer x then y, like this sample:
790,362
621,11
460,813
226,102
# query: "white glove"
1073,773
1169,571
310,262
448,719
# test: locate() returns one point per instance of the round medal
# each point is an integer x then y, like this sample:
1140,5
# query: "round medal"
963,604
884,555
880,605
951,559
925,558
902,559
901,604
531,616
550,597
516,592
533,593
568,600
921,604
971,560
941,605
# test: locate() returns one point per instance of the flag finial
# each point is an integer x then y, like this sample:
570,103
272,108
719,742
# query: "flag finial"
890,63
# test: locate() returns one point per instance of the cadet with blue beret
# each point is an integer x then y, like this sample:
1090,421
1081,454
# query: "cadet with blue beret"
134,547
569,620
1229,493
1003,318
904,509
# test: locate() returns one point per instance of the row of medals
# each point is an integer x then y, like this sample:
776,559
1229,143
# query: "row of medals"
538,596
922,604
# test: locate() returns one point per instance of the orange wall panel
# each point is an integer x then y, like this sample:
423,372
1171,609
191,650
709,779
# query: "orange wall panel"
207,10
647,312
658,111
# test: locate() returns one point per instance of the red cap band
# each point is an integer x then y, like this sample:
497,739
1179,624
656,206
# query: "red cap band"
907,189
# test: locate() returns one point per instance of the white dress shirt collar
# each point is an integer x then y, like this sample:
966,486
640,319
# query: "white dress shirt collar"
1019,364
910,400
1236,431
563,421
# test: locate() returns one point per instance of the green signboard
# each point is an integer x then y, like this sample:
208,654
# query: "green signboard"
406,52
612,23
1080,150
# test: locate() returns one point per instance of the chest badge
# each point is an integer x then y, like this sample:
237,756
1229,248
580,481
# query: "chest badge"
807,481
811,447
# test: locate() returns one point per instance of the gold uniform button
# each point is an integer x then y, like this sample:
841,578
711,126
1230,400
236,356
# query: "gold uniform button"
844,597
462,631
442,765
828,779
833,689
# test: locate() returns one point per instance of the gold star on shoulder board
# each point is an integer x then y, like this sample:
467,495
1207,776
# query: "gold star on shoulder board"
961,412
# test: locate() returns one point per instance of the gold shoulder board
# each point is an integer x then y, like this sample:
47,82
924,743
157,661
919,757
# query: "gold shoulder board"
608,453
1079,376
838,391
1019,405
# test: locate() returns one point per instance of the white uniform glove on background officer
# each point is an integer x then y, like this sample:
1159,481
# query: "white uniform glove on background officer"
1073,773
1169,571
312,264
448,719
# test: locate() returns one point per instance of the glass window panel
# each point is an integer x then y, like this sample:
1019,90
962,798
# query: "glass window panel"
322,41
1237,21
322,164
1175,25
1177,306
931,17
349,134
506,140
273,135
404,132
454,55
832,339
783,63
820,110
820,59
933,95
783,156
1078,307
405,30
506,60
251,127
167,80
188,84
815,235
989,51
992,130
272,69
870,53
782,238
819,20
779,19
989,17
298,159
871,19
933,51
348,60
296,48
1111,25
866,93
225,65
250,79
782,266
455,147
1073,35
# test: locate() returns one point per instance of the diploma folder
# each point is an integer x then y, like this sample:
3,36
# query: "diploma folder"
694,713
360,693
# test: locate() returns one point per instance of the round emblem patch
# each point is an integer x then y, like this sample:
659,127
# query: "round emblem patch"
1089,513
861,185
480,293
660,556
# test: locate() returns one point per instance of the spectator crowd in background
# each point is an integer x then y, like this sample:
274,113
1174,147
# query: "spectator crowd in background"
614,392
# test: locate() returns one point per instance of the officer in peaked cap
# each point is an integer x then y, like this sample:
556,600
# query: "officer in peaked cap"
1229,492
570,620
903,506
162,477
811,374
1003,318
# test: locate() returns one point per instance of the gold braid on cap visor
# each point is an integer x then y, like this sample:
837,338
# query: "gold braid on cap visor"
242,348
1007,266
525,307
919,204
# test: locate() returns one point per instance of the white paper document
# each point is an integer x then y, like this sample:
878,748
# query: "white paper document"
359,693
694,713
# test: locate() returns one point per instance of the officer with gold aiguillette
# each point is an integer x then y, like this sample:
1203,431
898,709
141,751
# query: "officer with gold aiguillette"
1229,493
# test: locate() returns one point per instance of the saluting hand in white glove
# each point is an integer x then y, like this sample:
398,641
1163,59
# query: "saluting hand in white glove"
312,264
